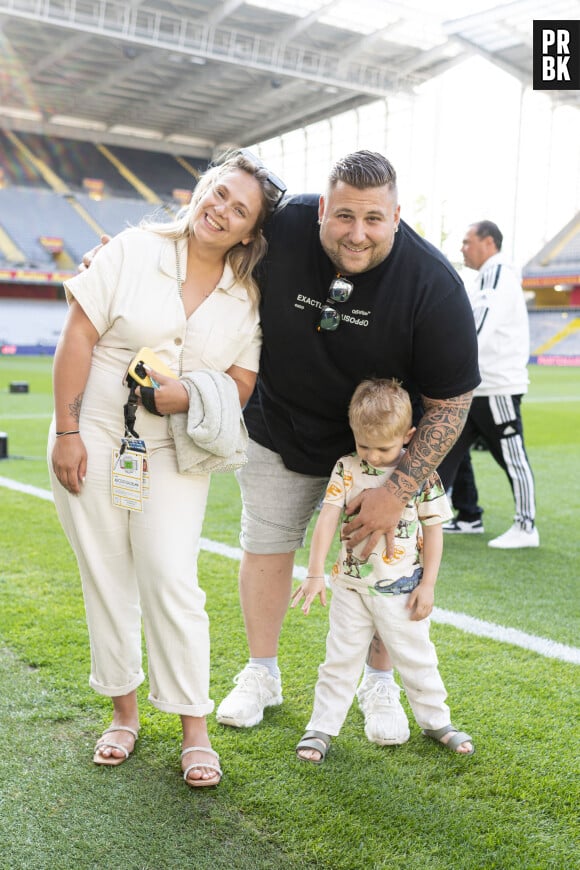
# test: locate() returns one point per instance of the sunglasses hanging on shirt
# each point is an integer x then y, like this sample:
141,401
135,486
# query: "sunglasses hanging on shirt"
340,290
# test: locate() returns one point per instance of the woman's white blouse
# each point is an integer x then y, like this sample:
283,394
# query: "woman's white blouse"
130,295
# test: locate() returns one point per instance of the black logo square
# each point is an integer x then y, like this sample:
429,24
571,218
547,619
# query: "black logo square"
556,55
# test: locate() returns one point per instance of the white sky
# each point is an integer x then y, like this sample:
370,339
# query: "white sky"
499,152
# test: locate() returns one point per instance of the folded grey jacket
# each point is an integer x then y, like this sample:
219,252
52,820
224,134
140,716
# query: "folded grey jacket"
212,435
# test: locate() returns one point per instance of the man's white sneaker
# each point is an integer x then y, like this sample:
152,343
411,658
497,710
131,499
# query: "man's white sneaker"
516,538
255,690
385,720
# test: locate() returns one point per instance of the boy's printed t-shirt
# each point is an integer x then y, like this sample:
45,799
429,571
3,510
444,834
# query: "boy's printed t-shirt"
379,574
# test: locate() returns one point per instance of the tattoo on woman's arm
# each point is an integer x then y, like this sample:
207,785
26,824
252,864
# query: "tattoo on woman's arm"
74,408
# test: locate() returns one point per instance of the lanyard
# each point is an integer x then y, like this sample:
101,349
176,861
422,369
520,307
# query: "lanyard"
130,409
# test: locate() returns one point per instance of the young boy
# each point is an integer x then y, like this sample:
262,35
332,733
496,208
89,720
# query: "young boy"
393,597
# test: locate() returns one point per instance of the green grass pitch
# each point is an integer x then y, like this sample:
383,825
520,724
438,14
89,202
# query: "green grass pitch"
514,804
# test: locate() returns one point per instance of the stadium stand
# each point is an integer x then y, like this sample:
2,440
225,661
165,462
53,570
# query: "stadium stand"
570,344
26,214
58,195
545,325
553,273
33,325
554,330
124,172
555,334
72,161
162,173
16,170
45,200
30,325
115,214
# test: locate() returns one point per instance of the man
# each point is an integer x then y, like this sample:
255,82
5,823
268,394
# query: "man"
464,498
501,320
348,291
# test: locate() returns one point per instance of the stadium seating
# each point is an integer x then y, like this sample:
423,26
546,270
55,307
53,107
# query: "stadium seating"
73,161
32,322
31,325
547,325
115,214
568,346
160,172
15,169
28,213
72,190
44,193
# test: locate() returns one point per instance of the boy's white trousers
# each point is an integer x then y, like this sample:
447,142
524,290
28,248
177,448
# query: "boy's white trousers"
354,618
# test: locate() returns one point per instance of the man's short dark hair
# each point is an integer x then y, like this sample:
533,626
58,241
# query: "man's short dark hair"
363,169
483,229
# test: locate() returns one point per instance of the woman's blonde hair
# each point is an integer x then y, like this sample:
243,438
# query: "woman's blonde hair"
242,259
380,406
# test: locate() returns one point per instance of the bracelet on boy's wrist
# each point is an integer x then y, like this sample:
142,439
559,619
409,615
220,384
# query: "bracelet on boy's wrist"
315,576
68,432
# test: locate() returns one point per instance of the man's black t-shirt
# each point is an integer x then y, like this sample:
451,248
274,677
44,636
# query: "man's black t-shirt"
408,318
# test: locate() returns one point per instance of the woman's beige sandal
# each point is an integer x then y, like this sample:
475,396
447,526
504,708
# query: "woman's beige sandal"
317,740
199,765
113,760
454,742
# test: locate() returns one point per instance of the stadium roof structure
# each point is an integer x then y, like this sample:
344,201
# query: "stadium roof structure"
558,262
191,76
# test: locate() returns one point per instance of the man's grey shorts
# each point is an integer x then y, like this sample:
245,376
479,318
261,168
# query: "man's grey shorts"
277,504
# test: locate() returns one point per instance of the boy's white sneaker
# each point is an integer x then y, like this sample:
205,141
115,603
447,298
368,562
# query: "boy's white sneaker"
255,690
385,720
516,538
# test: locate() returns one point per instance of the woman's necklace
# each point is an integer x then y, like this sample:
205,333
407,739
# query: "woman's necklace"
199,291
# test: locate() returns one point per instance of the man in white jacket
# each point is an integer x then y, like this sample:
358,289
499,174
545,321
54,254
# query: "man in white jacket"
501,320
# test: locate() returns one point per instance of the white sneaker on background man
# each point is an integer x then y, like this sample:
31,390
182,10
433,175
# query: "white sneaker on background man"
516,538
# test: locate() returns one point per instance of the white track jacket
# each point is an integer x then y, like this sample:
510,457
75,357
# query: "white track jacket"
501,320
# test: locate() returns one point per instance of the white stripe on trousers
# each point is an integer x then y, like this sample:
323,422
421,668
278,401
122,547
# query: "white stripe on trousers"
516,461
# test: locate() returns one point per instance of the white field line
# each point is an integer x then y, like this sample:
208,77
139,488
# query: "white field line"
39,416
26,488
479,627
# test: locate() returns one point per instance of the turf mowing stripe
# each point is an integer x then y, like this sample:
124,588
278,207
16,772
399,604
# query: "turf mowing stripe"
469,624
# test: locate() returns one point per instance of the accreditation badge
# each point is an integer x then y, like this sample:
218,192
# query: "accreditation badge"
130,474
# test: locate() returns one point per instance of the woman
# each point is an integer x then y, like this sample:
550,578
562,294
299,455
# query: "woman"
184,289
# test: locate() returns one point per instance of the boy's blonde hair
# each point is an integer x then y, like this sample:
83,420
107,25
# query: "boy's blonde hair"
380,406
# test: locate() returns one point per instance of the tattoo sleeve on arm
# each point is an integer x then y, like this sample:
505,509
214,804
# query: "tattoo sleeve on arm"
437,432
75,407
